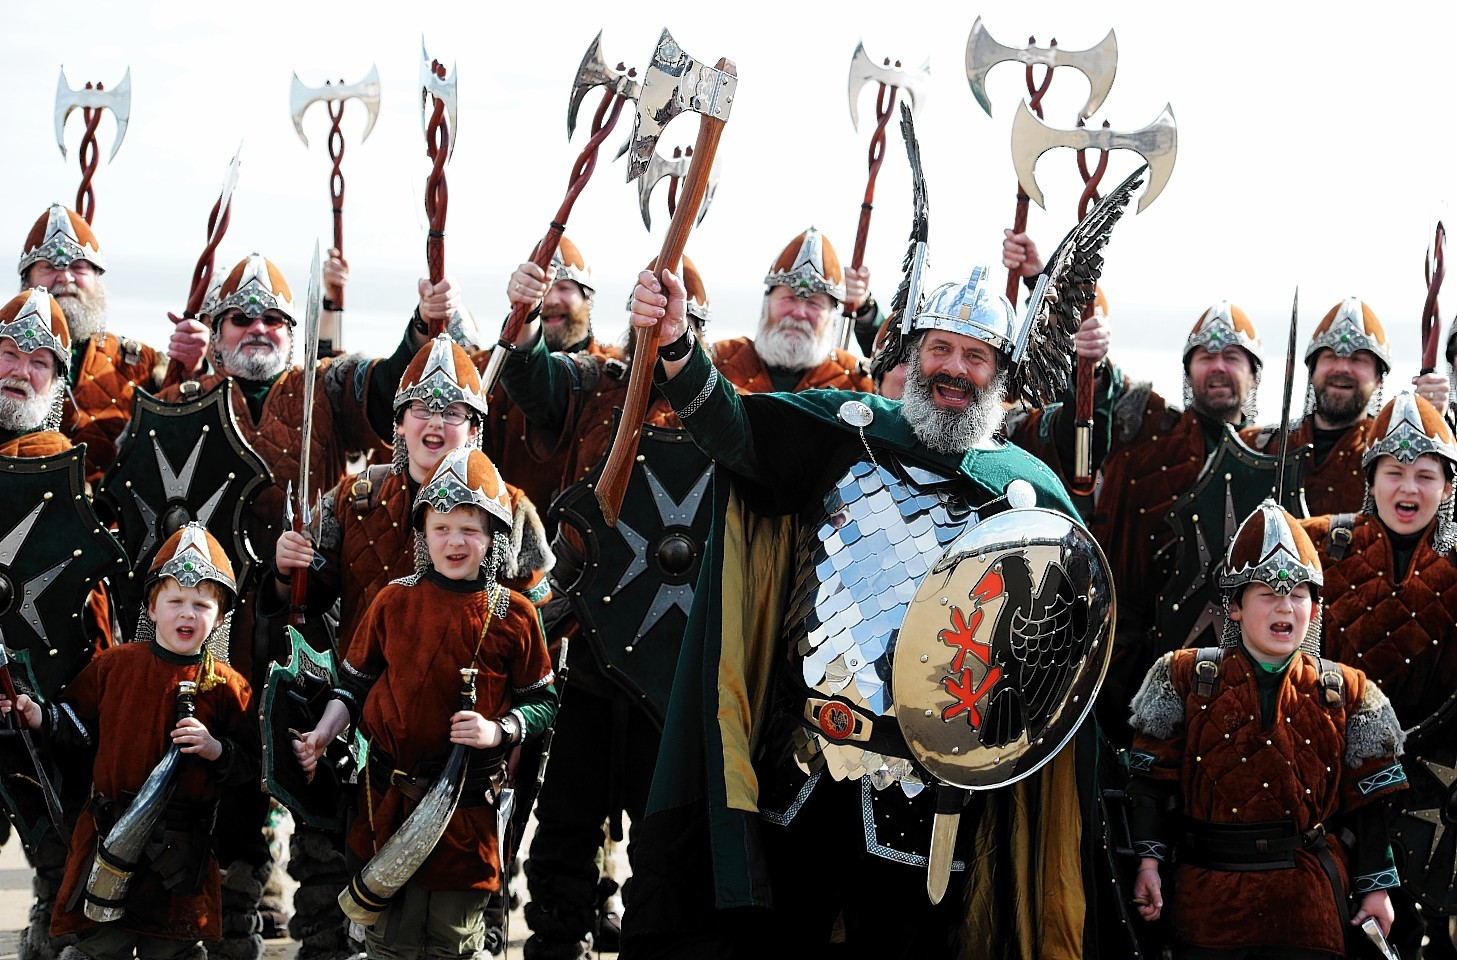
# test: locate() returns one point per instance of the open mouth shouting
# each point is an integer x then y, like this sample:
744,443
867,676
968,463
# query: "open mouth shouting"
1406,510
16,389
951,392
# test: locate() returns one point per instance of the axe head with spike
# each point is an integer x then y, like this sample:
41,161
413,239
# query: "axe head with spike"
660,168
1098,64
118,100
674,83
442,89
1157,143
300,98
594,72
863,70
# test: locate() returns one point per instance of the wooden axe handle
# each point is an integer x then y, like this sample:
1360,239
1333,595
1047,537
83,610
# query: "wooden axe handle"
1431,325
612,485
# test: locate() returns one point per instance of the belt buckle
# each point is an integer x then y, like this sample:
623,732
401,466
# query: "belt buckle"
836,720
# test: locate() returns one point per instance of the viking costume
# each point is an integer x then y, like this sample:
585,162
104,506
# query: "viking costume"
106,368
401,679
1391,609
1264,784
784,778
535,461
1157,453
122,706
1335,477
620,677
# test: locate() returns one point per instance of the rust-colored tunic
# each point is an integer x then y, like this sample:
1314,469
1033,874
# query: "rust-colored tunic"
1337,484
41,443
411,647
99,405
737,360
341,426
1402,634
1232,770
127,699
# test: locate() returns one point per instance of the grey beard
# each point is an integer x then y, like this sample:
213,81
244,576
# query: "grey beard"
252,367
951,431
779,349
85,315
28,414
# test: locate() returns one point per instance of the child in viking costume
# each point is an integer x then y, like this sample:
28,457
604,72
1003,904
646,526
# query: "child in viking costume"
1392,611
1258,770
171,731
402,684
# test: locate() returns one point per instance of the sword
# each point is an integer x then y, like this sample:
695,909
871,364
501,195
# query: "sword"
1285,401
949,801
53,802
299,585
1372,929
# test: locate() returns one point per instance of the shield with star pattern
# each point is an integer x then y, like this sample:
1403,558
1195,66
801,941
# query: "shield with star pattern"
176,463
636,587
1424,816
1189,611
54,550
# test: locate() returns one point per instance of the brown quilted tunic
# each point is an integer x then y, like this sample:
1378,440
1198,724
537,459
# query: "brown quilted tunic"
1230,770
1335,485
127,699
1403,635
41,443
737,360
411,647
99,404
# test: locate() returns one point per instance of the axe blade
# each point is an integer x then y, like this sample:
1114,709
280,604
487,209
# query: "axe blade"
441,89
675,83
659,168
1098,63
864,70
301,97
118,100
1157,143
594,72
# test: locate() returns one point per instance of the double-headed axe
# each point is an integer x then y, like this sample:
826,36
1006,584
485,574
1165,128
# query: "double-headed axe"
333,95
674,83
1158,144
217,226
620,86
92,99
1099,64
437,119
889,79
1436,272
674,170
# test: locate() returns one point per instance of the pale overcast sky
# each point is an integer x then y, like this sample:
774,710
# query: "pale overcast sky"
1313,149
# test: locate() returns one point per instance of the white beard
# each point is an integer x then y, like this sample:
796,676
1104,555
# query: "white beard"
790,344
85,313
252,366
951,431
28,414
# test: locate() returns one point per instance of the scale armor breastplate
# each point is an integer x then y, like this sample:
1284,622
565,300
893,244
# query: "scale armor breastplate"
859,560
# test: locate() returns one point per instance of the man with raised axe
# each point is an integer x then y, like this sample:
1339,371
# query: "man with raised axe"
53,552
61,254
253,319
837,509
366,540
863,319
1347,359
92,100
334,95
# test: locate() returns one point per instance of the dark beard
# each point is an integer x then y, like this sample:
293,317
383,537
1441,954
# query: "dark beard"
570,333
1338,410
951,431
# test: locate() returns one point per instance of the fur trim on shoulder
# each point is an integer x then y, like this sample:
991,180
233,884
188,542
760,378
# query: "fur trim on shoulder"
1372,730
1158,710
529,548
1128,410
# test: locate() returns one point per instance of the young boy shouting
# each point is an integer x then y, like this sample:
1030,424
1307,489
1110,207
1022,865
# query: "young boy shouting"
124,704
1258,768
401,682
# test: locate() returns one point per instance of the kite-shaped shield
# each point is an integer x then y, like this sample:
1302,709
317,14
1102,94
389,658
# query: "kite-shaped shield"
294,703
636,587
1424,816
1003,649
1234,480
176,463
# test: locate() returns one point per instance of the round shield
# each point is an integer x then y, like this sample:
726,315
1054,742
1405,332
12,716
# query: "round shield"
1003,649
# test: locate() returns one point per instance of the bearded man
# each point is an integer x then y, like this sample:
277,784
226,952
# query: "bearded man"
1348,359
784,771
62,255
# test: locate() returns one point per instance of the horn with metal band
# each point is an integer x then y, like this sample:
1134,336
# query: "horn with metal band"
372,888
117,855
